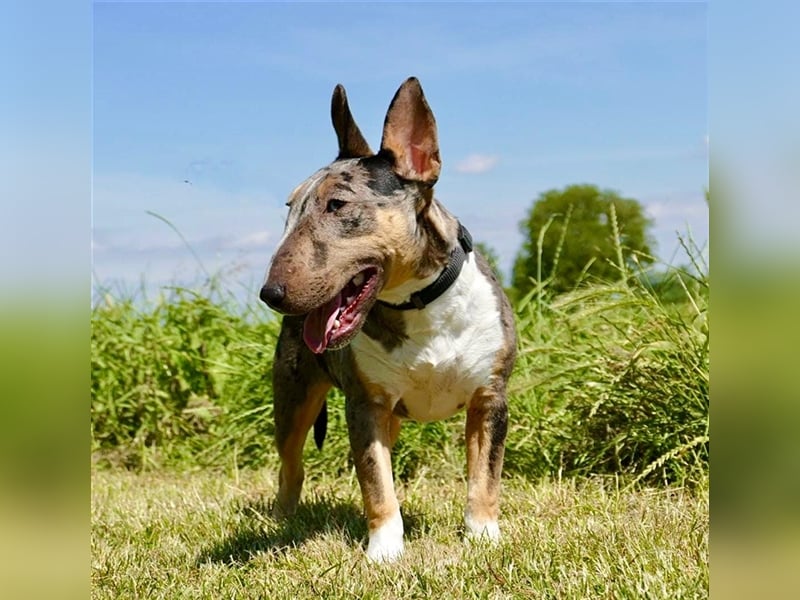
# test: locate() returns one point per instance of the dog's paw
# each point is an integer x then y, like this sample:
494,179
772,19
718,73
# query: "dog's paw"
281,511
487,532
386,542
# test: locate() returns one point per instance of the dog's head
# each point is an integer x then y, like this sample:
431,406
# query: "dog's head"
362,226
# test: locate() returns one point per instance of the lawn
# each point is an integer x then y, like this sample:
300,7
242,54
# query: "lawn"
605,478
208,534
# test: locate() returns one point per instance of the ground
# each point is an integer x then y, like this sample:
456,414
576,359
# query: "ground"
208,534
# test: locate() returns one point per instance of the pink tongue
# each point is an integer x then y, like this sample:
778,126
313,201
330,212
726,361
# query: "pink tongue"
318,325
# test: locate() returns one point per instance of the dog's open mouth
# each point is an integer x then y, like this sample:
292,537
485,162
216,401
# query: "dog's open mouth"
334,324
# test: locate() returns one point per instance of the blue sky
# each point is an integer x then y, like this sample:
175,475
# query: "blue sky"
234,98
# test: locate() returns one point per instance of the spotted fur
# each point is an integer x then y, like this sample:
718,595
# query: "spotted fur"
368,228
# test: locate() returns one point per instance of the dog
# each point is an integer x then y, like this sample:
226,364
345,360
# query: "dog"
384,297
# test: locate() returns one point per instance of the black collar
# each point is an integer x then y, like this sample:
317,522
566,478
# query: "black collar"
426,295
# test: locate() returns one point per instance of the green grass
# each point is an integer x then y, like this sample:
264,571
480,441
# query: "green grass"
609,380
208,534
181,380
605,478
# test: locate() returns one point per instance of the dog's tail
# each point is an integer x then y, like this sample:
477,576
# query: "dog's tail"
321,426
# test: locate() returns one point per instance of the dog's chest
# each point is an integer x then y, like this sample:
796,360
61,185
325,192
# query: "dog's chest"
450,351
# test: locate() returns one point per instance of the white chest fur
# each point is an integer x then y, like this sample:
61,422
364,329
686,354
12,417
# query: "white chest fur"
450,351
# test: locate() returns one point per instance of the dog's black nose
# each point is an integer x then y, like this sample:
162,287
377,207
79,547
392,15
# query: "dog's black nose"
273,294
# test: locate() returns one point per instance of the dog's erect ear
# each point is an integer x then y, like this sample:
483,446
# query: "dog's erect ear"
409,133
351,143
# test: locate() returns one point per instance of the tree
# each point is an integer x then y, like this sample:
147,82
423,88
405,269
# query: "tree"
576,229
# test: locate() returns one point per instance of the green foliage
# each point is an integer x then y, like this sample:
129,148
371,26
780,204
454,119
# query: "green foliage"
613,382
610,379
183,379
670,286
571,235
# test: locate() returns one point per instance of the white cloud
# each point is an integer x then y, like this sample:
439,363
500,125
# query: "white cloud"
477,163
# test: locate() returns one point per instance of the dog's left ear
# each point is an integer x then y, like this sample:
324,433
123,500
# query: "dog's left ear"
409,133
351,142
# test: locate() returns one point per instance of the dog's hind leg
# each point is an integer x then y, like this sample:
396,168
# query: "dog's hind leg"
299,387
487,424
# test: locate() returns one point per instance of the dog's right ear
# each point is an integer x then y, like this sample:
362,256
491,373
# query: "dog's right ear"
351,143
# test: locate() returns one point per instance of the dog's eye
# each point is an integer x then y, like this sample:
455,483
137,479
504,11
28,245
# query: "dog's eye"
334,204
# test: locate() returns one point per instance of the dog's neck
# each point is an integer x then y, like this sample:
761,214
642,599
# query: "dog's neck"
434,286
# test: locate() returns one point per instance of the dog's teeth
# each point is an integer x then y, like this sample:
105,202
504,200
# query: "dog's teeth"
337,323
358,279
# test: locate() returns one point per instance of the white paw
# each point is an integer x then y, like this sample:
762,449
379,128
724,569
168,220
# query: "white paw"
488,531
386,542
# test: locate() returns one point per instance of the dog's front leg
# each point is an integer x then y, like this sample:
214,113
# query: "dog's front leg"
487,423
299,388
372,428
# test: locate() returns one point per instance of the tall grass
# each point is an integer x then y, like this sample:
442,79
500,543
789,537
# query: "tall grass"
609,379
614,376
181,379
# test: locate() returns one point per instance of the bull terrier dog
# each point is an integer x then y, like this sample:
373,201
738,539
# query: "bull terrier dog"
384,297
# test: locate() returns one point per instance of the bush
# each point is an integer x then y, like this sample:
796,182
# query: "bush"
179,380
612,381
609,379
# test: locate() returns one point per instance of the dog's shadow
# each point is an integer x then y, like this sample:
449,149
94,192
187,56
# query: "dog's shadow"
257,533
